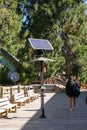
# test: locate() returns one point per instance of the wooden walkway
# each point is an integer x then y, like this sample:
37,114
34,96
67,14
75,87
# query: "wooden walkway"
56,110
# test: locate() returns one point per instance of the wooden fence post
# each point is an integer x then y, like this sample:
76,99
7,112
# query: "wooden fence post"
24,90
18,89
11,94
1,92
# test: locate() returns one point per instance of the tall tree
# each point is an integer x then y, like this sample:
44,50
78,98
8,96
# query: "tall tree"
59,22
10,25
62,22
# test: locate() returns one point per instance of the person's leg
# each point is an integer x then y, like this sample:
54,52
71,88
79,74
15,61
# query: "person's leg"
70,103
74,101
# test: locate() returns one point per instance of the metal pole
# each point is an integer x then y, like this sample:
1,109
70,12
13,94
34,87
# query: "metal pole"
42,91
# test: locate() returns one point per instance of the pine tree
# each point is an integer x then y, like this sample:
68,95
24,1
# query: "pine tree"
62,22
10,25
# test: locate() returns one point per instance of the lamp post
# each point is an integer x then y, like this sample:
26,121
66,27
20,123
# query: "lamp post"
42,60
42,91
41,45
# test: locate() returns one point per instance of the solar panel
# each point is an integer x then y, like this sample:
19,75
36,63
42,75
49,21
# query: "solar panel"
40,44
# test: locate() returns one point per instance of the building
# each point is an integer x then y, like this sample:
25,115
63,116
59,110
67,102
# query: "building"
7,59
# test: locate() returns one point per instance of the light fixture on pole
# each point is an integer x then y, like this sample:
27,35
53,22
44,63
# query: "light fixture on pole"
41,44
42,60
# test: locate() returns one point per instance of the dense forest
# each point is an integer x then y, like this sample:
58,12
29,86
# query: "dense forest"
62,22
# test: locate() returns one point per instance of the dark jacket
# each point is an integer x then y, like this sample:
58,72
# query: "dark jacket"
71,89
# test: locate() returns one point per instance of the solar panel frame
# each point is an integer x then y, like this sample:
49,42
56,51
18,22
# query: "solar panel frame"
40,44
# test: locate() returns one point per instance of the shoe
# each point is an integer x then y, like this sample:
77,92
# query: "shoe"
70,109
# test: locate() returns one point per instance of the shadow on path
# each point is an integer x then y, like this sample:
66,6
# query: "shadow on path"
58,115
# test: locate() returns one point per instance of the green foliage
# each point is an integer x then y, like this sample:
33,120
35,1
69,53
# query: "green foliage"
10,24
74,32
83,62
62,22
4,75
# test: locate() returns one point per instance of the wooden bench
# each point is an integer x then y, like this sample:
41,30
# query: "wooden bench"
6,106
32,94
20,99
3,111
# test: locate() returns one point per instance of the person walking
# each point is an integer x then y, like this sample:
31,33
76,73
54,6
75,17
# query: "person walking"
70,91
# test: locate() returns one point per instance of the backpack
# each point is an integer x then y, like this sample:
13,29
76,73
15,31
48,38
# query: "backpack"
76,89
